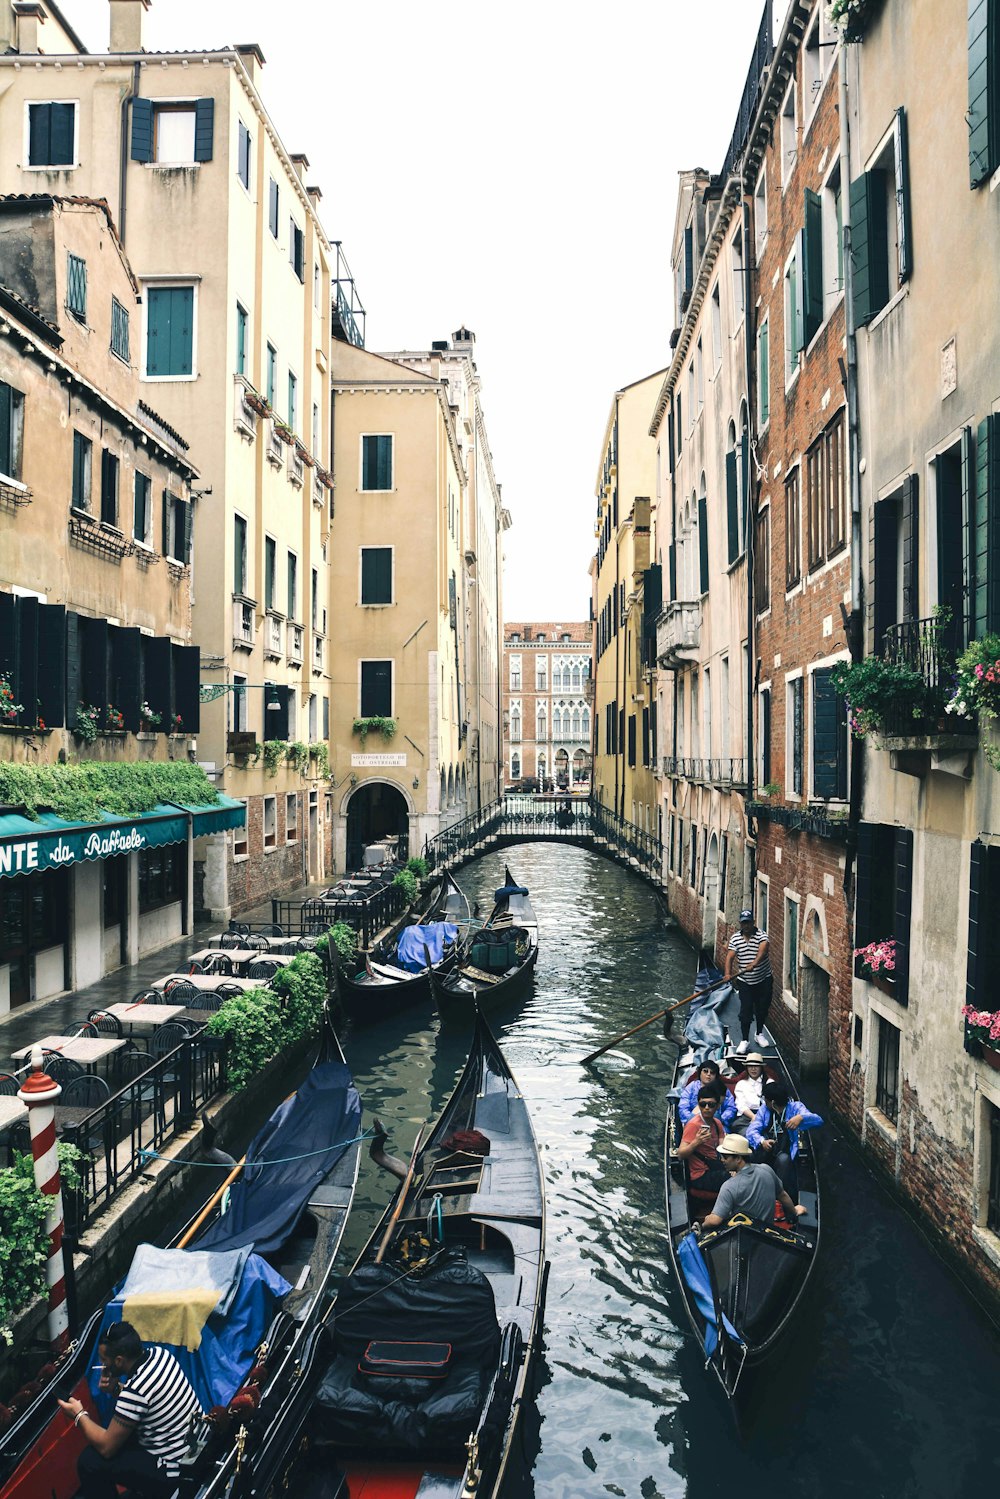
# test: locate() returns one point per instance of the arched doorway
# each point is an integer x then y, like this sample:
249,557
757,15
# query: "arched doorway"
562,770
375,810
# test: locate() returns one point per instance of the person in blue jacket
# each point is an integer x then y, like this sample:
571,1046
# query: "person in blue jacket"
773,1133
707,1076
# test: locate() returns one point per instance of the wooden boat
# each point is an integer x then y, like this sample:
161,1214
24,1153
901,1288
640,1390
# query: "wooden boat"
384,984
497,962
293,1212
741,1283
418,1377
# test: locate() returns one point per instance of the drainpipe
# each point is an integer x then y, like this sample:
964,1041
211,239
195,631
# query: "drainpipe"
132,93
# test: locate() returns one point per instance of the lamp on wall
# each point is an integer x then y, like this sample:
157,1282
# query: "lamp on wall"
416,782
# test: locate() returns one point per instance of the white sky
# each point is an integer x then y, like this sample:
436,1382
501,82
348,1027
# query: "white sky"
511,166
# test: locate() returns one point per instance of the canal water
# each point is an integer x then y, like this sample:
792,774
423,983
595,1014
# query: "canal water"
887,1388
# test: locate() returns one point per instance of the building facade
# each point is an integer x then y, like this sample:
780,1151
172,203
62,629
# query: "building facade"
97,556
231,344
547,706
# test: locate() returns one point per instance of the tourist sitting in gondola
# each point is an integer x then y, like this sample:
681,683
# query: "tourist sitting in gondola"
748,1091
703,1134
774,1133
706,1076
753,1188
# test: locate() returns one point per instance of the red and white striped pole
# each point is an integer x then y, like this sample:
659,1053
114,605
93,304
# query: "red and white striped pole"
39,1093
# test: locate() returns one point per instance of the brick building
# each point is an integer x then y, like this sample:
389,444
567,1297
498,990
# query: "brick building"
547,688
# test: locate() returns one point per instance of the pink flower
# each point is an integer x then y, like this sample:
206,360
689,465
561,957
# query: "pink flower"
979,671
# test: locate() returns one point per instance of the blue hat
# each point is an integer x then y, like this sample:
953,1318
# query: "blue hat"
746,916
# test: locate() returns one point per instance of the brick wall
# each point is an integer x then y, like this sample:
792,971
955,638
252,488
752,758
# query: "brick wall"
276,871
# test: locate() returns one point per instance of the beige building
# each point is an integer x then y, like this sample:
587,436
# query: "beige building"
98,540
624,701
400,694
548,694
231,342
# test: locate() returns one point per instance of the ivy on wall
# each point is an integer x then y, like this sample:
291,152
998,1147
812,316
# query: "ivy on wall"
81,792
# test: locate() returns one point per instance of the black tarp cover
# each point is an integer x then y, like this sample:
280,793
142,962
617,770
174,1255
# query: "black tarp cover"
265,1202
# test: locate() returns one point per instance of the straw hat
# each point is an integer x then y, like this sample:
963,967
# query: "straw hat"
734,1145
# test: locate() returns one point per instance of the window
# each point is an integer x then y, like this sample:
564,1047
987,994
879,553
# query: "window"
764,373
297,249
880,225
314,599
241,845
76,287
241,339
270,822
734,517
724,707
176,528
817,60
793,531
173,134
109,488
239,555
52,135
243,156
541,673
169,332
984,90
272,374
162,876
699,375
291,818
883,890
793,312
791,956
293,397
833,242
793,736
142,518
954,479
272,207
762,560
515,673
739,287
760,215
238,716
515,767
83,450
829,738
764,741
693,852
176,133
789,134
825,495
376,689
316,287
762,900
270,570
293,586
894,584
376,575
993,1171
716,328
119,330
515,726
376,462
887,1074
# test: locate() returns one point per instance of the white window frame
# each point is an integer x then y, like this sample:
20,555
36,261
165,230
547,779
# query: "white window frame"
165,283
175,106
392,695
246,186
814,79
760,198
763,898
738,266
269,848
796,674
143,542
763,422
789,995
789,153
762,687
241,837
791,369
515,663
292,801
361,462
26,137
381,547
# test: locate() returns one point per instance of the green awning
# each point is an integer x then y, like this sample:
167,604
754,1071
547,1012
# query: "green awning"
29,844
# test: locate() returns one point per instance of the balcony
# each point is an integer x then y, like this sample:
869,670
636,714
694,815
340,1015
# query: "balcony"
275,446
244,624
272,637
319,654
296,467
725,773
295,643
244,412
930,739
678,635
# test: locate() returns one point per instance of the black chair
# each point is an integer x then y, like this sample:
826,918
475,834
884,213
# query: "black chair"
9,1085
104,1024
147,997
262,970
231,939
186,1024
166,1038
224,992
258,942
179,991
60,1069
19,1141
194,966
219,965
274,930
240,928
86,1092
306,944
212,999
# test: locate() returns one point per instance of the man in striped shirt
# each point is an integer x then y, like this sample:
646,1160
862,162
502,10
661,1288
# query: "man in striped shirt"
149,1428
749,967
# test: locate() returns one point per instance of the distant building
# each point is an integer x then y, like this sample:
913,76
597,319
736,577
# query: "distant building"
548,695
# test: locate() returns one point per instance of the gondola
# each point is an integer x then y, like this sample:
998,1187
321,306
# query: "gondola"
497,961
286,1220
417,1378
396,971
741,1284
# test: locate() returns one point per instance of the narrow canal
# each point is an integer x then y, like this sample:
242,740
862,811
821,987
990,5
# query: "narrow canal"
888,1388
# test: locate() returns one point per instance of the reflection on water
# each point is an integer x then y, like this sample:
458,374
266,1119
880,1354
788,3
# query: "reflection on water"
887,1387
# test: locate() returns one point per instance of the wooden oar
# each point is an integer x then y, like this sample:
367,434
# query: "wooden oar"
401,1199
185,1241
585,1061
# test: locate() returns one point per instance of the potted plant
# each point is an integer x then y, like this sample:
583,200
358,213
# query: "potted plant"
176,724
877,963
148,717
877,691
114,719
87,723
976,688
9,710
982,1030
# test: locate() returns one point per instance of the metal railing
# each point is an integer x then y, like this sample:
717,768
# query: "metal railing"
928,647
366,914
763,49
142,1117
723,772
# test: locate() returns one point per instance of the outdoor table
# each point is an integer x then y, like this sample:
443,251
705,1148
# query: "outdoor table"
151,1015
205,981
87,1050
289,945
199,1017
239,956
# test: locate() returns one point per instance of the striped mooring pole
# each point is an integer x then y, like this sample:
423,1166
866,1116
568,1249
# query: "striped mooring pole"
39,1093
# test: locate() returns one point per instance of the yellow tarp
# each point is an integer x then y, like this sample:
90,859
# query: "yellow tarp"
179,1321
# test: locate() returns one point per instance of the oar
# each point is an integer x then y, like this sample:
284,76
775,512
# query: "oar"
400,1200
585,1061
189,1235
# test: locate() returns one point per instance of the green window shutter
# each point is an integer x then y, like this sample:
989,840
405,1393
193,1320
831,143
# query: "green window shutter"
181,330
142,130
882,577
384,463
368,463
904,248
169,330
987,523
368,575
978,906
38,134
863,885
901,925
76,287
376,689
241,340
829,738
868,246
383,574
270,568
8,651
812,265
109,488
63,123
7,430
166,523
797,735
732,505
73,649
186,667
909,527
326,718
272,207
672,570
798,299
293,586
204,123
187,516
52,664
156,676
703,544
94,663
984,104
963,632
26,690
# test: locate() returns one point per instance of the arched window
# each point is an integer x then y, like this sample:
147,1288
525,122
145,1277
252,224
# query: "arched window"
515,726
557,677
576,723
585,724
556,723
515,767
540,732
577,678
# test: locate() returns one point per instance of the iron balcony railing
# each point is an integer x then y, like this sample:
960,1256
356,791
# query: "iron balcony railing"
367,914
929,647
763,50
724,772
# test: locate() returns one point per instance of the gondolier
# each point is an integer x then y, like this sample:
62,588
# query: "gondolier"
748,967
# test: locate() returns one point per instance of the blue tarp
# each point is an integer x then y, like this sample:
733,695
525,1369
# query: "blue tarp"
230,1337
435,936
695,1272
711,1015
305,1137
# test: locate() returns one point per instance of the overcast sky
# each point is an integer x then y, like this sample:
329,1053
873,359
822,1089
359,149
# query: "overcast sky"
511,166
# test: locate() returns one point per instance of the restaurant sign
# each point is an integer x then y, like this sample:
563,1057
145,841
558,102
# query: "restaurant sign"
57,849
384,760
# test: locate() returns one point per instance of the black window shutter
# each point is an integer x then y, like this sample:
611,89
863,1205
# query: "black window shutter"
385,574
631,739
157,683
732,505
868,246
765,737
376,689
703,544
909,541
367,575
52,664
812,264
984,106
901,927
72,666
142,130
63,119
166,523
672,570
204,122
94,663
882,579
126,674
645,736
863,884
187,515
987,522
965,619
904,248
829,750
186,664
688,266
978,903
276,719
26,689
7,430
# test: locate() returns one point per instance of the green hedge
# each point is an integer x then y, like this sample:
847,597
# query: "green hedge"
407,882
24,1244
82,792
343,938
261,1023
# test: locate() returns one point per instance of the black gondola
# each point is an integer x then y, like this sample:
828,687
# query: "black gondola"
384,984
741,1283
497,962
417,1380
293,1215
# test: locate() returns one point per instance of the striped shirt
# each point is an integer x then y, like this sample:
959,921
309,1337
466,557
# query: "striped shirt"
159,1402
746,950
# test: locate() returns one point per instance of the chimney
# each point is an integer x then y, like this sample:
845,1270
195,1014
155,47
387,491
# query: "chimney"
301,164
463,337
315,195
253,60
126,25
30,16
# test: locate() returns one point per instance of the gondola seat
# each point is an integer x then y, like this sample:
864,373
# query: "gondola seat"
432,1404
